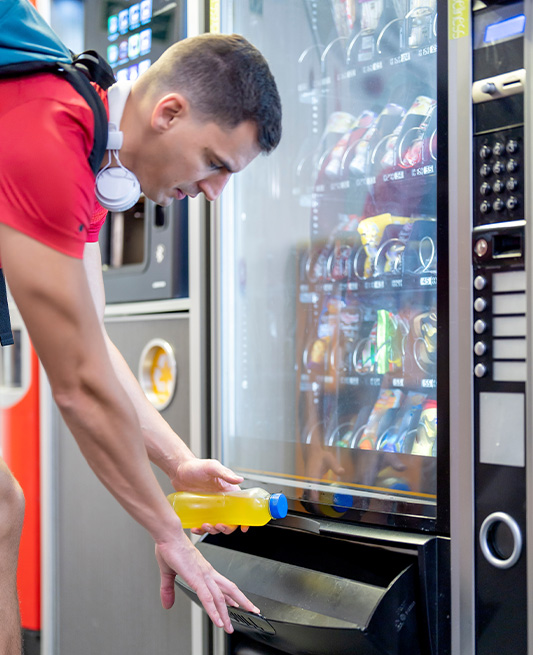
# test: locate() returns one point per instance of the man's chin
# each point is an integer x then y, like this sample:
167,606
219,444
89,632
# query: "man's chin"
160,199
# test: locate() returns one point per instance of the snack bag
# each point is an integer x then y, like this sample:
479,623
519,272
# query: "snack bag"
371,230
381,417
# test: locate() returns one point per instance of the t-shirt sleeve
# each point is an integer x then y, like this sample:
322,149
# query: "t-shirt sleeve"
97,222
46,184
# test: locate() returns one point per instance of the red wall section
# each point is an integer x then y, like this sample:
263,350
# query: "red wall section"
20,449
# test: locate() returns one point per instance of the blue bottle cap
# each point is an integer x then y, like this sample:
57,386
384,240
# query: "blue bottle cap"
342,502
396,483
278,506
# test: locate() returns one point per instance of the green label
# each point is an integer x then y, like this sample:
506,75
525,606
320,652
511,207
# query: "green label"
458,19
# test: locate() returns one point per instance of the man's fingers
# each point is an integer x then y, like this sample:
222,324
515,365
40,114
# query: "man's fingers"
230,601
219,527
218,470
197,531
225,529
214,604
231,590
167,590
214,591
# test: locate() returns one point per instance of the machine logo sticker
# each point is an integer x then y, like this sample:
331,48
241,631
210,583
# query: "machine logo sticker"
158,373
251,621
160,253
402,614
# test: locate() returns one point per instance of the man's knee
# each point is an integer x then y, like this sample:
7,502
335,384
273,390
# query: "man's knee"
11,505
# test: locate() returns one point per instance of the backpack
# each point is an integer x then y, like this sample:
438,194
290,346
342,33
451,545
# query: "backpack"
28,46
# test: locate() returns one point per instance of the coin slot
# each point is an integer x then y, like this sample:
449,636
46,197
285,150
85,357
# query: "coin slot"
158,373
506,246
500,539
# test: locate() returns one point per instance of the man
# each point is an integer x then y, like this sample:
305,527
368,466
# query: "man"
203,111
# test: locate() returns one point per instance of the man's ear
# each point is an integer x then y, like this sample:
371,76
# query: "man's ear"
168,110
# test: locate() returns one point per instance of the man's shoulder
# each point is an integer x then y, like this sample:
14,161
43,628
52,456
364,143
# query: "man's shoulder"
42,87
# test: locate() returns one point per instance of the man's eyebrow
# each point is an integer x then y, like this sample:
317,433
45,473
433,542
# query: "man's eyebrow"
221,162
224,164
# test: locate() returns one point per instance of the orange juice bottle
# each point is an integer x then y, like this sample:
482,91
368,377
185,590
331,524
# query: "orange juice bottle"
245,507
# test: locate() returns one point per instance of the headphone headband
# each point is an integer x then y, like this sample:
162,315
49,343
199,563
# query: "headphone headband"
116,188
117,96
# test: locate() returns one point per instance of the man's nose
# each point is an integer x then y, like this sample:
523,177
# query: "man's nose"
212,187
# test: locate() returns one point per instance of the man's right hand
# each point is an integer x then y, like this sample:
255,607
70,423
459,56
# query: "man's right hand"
180,557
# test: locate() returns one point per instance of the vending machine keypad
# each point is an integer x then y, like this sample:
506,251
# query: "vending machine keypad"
500,182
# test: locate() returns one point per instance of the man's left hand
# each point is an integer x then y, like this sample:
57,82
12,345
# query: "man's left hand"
206,476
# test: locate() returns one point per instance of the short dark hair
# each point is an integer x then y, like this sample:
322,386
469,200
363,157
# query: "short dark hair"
226,80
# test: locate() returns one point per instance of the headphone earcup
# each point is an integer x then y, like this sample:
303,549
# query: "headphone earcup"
117,189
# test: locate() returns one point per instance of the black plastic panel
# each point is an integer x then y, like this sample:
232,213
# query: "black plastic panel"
498,59
331,595
501,594
494,114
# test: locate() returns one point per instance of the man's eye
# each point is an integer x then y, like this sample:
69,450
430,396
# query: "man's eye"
214,166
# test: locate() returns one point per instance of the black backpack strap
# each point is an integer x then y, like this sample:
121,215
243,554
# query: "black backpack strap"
6,334
95,67
83,86
28,68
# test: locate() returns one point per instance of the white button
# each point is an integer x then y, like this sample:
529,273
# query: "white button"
480,326
480,304
480,282
480,370
480,348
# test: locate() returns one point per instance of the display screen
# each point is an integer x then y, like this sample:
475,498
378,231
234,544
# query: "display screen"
498,23
505,29
132,35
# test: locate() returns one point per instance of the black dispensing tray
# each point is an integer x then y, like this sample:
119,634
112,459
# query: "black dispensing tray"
320,595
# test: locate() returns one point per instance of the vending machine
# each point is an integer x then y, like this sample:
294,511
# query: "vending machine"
330,350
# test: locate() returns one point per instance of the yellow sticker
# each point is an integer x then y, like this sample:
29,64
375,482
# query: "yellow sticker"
458,19
161,376
158,373
214,16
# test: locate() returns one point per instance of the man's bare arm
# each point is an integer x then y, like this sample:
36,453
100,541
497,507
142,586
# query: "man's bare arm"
165,448
53,296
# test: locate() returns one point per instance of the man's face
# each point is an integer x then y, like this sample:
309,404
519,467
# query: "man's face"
194,157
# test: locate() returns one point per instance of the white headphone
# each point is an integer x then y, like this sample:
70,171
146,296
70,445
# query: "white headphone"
116,188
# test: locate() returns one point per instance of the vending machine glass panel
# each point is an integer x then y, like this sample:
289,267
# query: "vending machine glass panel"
330,329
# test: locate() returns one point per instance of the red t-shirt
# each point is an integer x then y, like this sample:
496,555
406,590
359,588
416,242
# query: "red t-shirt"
46,183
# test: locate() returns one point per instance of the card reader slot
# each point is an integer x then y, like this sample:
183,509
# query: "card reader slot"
507,245
513,82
